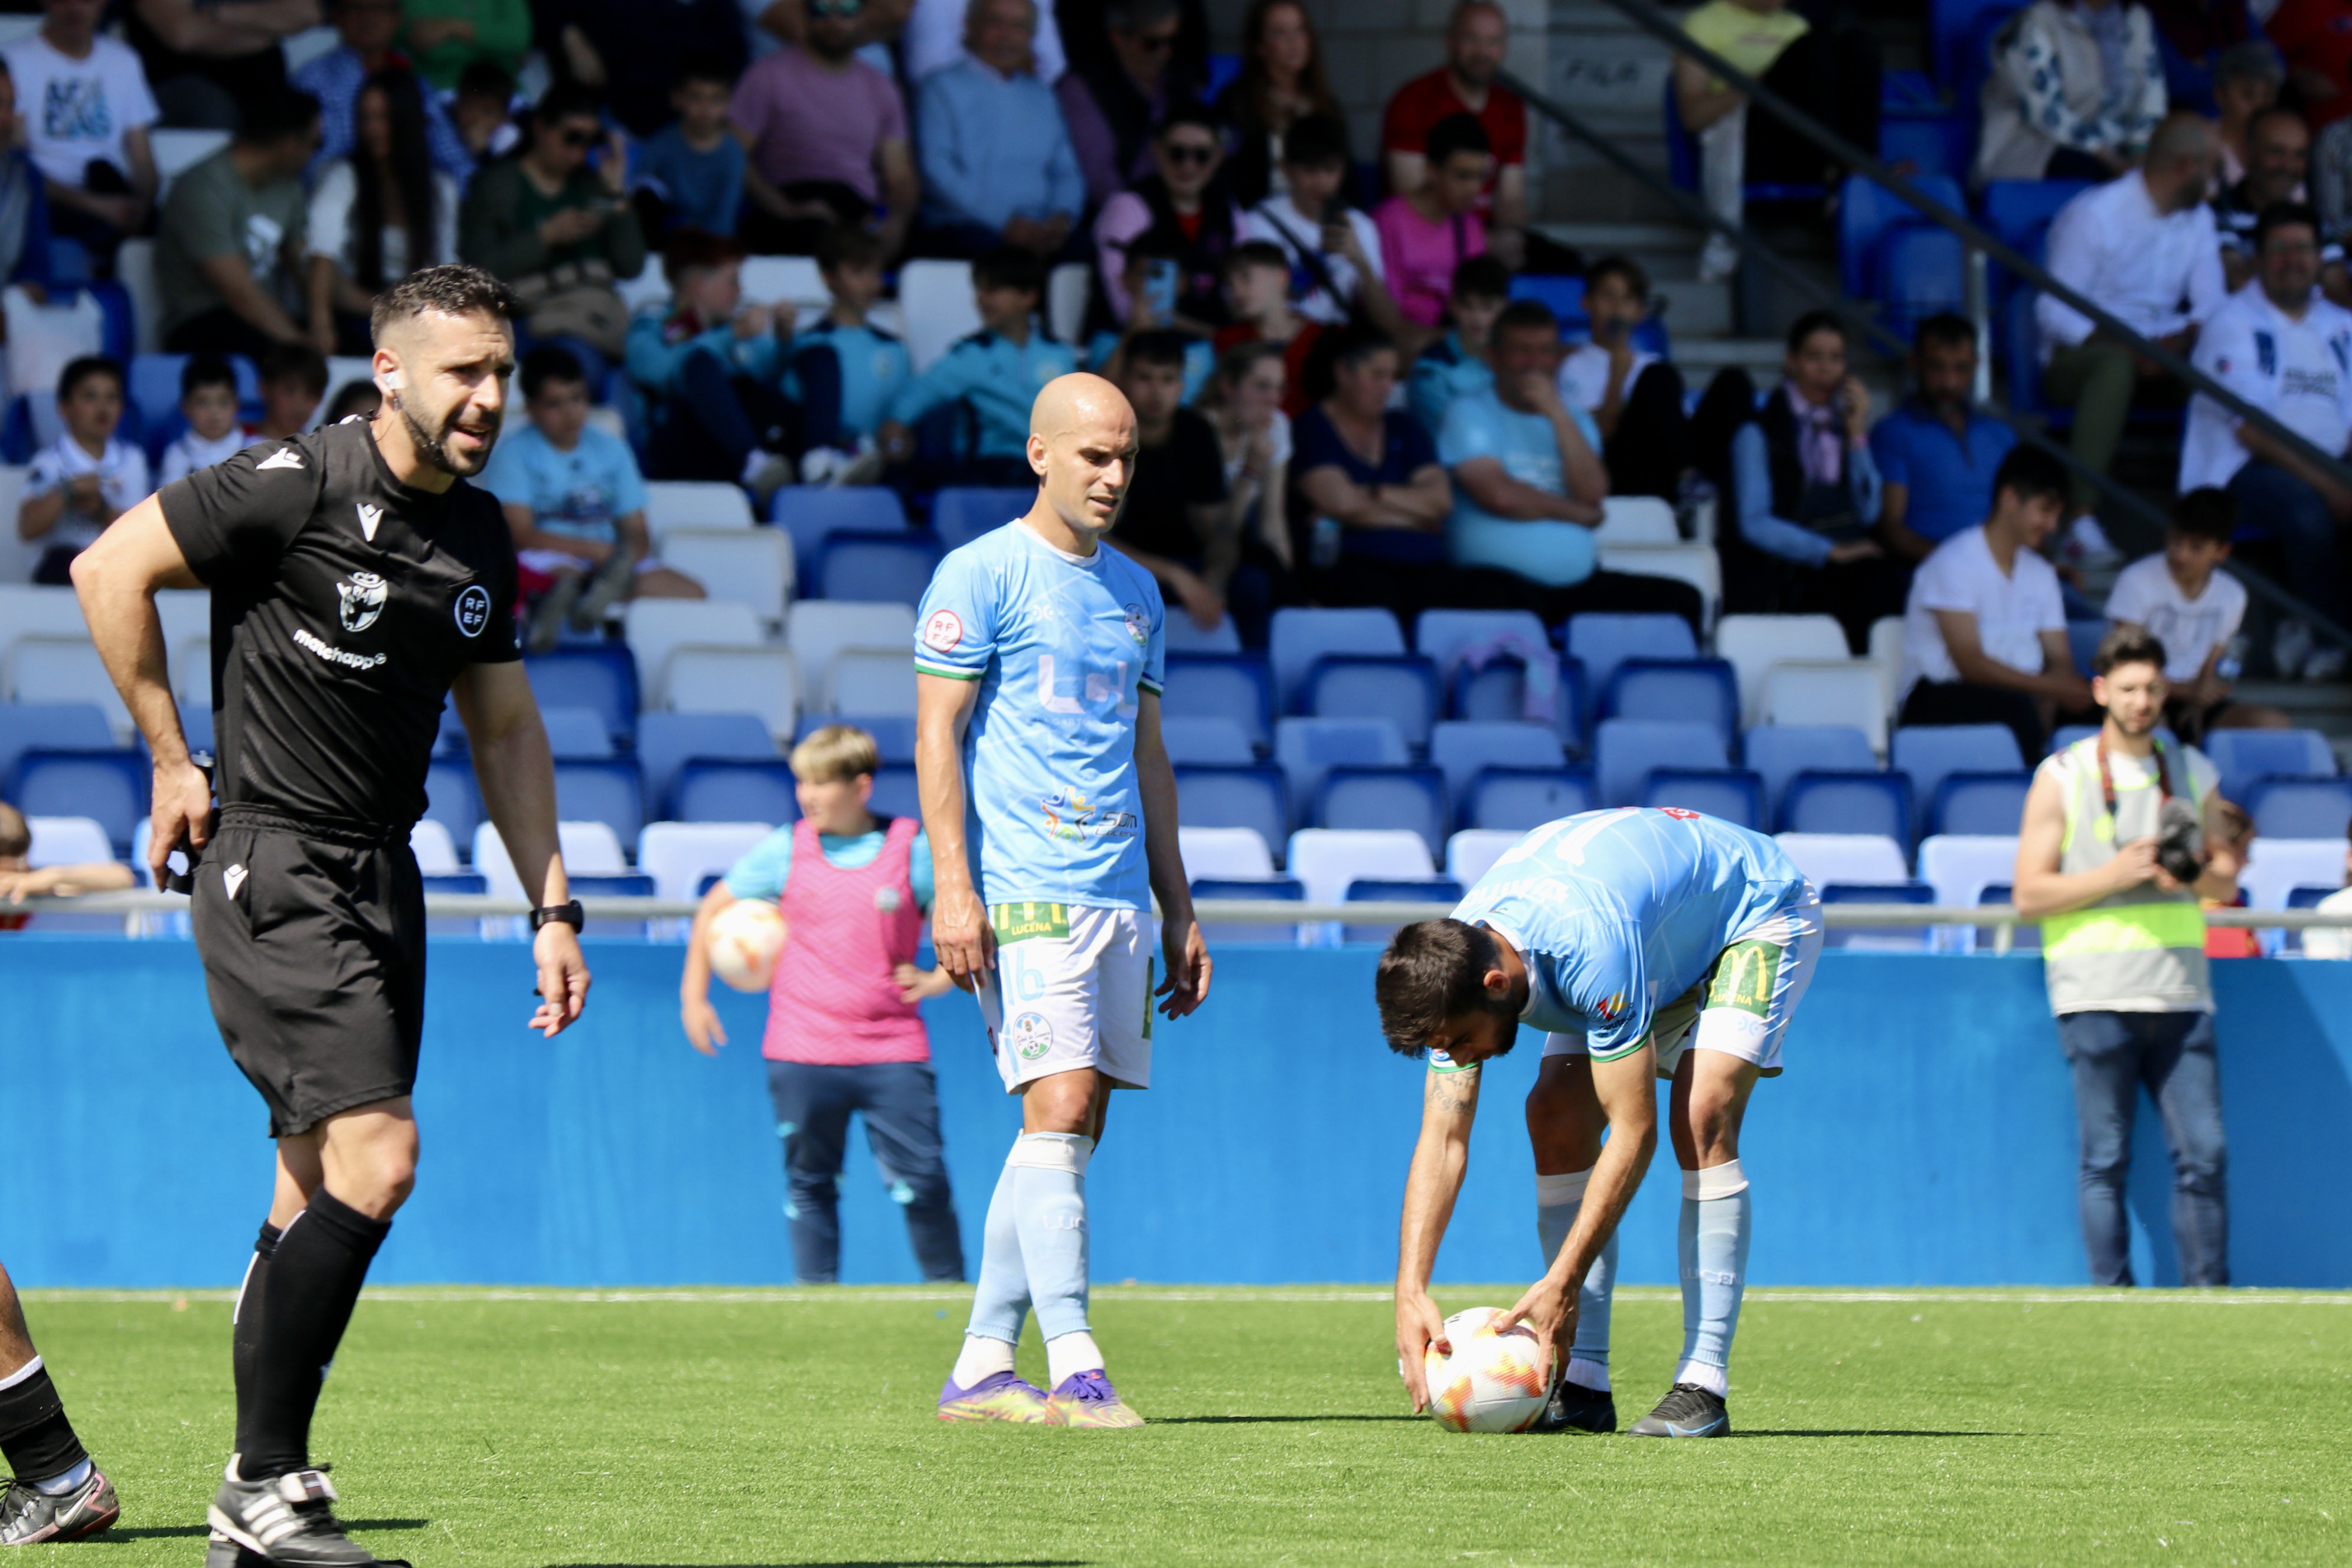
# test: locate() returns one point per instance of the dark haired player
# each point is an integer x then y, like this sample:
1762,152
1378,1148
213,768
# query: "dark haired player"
1648,944
357,580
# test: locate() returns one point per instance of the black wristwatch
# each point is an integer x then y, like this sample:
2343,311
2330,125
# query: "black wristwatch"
569,914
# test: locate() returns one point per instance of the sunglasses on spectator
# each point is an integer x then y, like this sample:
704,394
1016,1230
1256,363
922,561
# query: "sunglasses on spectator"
1187,152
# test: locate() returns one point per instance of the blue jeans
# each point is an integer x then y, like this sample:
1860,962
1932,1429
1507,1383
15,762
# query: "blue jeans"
2172,1052
2304,528
900,1102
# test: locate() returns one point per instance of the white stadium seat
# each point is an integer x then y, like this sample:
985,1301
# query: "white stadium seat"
1238,853
936,297
435,851
2279,865
191,662
1752,645
739,566
658,627
27,610
66,670
342,371
678,855
185,613
1067,290
17,555
178,151
695,504
1472,853
1960,866
301,49
1637,520
589,848
760,680
1326,859
134,268
1693,564
868,682
1826,858
819,628
1886,653
66,841
648,288
1827,691
785,279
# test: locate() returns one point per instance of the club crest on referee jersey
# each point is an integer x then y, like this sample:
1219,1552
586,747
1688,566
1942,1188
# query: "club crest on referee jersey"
363,600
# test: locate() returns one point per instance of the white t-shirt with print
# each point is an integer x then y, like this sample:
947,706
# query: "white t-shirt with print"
121,471
2147,595
1584,375
1276,221
2012,609
75,110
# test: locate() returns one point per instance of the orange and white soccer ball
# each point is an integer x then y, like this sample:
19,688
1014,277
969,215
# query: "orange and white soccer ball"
1493,1382
744,941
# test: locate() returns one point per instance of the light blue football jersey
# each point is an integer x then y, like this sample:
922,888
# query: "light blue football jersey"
1062,649
1619,912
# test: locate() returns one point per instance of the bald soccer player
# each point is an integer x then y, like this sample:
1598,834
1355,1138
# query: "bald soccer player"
1047,643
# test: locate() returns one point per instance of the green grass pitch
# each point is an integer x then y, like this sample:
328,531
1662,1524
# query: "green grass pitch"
534,1429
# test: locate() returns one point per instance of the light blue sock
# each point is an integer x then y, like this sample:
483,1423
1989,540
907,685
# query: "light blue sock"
1588,1358
1714,1225
1049,1212
1000,1301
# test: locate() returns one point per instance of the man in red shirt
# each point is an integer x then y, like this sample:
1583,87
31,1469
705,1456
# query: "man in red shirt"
2316,36
1474,42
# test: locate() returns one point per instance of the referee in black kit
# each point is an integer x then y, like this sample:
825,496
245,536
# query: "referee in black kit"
356,581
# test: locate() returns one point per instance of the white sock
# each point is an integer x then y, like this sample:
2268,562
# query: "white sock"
1071,1353
57,1485
1714,1379
982,1359
1591,1375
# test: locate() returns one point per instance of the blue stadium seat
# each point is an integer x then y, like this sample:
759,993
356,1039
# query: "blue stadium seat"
453,800
151,396
1403,890
666,741
1603,642
1446,634
1958,32
1626,751
894,733
2027,936
1928,751
1399,687
1519,799
1781,751
1179,634
871,566
1463,747
1216,933
1980,802
457,883
1565,295
197,724
2019,213
2295,808
2083,641
1254,797
1847,800
1213,740
51,727
1682,162
1913,938
960,514
709,790
1496,690
1933,142
611,885
611,792
600,676
1735,795
1300,637
1411,798
1890,252
2241,757
895,792
1309,747
107,784
1696,691
1221,685
573,735
809,512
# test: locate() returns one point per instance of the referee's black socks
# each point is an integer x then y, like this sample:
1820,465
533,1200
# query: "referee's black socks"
37,1439
307,1287
245,1329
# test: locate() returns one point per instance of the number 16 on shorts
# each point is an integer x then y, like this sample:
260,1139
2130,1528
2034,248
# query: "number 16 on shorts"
1072,989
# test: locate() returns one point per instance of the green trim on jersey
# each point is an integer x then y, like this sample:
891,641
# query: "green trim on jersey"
947,671
1440,1062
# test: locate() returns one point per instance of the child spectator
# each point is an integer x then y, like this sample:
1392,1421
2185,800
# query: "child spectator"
1154,266
1633,395
1460,361
996,374
2180,597
1243,406
843,1034
1257,293
1428,233
690,173
86,478
1179,523
710,362
293,379
843,370
483,111
1334,250
576,504
20,879
208,403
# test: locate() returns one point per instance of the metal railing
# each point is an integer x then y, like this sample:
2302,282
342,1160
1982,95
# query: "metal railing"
1980,246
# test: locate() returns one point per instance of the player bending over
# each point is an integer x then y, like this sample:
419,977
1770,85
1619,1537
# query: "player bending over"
1038,654
55,1492
1646,943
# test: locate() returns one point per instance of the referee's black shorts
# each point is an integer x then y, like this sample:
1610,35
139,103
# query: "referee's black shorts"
313,947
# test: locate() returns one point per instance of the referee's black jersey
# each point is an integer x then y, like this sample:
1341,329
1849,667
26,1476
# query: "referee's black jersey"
344,604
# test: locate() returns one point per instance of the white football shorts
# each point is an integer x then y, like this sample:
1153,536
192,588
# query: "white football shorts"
1742,1006
1072,988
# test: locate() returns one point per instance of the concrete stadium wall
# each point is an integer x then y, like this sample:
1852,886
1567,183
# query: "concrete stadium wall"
1923,1133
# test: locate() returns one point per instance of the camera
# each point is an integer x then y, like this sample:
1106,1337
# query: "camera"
2180,842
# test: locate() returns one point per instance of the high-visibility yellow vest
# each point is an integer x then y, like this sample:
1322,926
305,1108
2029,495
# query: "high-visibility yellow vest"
2139,951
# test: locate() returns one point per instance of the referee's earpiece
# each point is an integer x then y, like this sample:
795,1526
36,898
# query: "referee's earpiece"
388,382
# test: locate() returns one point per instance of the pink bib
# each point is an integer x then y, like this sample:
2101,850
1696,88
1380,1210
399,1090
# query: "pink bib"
833,1001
